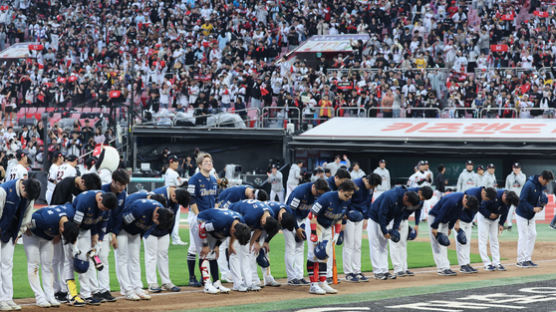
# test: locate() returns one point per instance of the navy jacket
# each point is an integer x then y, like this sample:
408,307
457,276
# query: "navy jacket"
88,216
301,200
532,195
362,198
138,216
232,195
329,208
387,207
252,211
417,212
218,221
447,210
45,222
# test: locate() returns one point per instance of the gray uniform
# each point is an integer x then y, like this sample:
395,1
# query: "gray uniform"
514,183
385,175
333,166
277,186
294,176
467,180
488,180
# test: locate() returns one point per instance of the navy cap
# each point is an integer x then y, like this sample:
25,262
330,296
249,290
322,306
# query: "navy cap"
480,167
491,165
516,165
71,158
20,153
173,157
469,162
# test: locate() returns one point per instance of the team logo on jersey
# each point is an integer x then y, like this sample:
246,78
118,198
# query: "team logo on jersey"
120,202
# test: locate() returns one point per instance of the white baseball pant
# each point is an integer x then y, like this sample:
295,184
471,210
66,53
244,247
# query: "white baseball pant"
156,256
128,266
294,252
58,267
527,234
267,276
351,251
176,230
289,189
39,253
439,252
487,231
464,251
240,266
323,234
82,244
100,280
193,226
398,251
6,263
511,214
378,245
280,195
223,261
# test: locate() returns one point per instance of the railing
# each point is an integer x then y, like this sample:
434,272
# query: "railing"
277,116
498,112
421,112
351,111
313,117
460,112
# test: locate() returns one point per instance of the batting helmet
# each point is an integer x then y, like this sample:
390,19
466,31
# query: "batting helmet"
411,234
262,259
394,235
442,239
320,250
80,266
304,234
354,215
461,237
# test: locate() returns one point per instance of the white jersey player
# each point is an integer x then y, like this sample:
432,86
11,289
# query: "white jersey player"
385,175
514,182
172,178
18,171
57,160
67,169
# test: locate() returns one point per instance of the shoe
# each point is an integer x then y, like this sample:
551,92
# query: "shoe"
258,283
473,270
179,243
465,269
329,280
221,288
43,303
99,297
108,296
92,301
77,301
239,288
170,287
327,288
13,305
523,264
500,267
254,288
532,264
61,296
380,276
490,267
553,226
142,295
132,297
390,276
400,274
351,278
4,306
361,277
272,283
54,303
193,282
303,282
155,289
447,272
210,289
294,282
316,290
409,273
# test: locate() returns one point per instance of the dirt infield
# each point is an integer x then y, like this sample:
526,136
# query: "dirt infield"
193,298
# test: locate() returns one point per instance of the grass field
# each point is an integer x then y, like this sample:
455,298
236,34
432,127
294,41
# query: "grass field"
419,255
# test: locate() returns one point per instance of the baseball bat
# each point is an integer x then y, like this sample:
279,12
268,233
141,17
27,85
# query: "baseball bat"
334,268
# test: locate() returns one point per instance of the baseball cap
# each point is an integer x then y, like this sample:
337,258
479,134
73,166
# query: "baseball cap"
421,163
382,161
173,157
469,162
481,167
71,158
425,162
274,166
516,165
491,165
20,153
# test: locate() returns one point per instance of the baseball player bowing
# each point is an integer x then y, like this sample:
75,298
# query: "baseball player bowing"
202,187
398,250
531,201
258,216
300,202
442,218
486,197
490,222
387,209
337,179
101,280
286,219
360,203
92,210
326,225
136,219
17,198
157,242
46,227
213,226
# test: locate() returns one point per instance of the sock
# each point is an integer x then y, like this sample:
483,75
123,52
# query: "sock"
191,265
322,272
204,268
313,270
214,270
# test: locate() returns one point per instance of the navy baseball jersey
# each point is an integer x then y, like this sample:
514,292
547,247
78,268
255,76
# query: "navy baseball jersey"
203,191
301,200
232,195
362,198
498,208
119,208
166,193
447,210
252,210
138,217
87,214
532,195
329,208
417,212
45,222
332,183
218,221
275,207
387,207
468,215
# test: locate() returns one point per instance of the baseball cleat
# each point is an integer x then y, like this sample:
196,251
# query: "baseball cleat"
532,264
350,277
142,295
77,301
472,268
254,288
500,267
210,289
221,288
294,282
155,289
132,297
409,273
54,303
239,288
465,270
61,296
447,272
92,301
361,277
523,264
272,283
316,290
390,276
170,287
400,274
193,282
13,305
327,288
380,276
43,303
108,297
490,267
99,297
304,282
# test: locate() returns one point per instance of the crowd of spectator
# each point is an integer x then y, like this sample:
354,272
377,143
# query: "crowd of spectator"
205,57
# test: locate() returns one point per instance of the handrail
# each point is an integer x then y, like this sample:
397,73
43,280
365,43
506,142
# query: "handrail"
498,111
358,110
265,112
